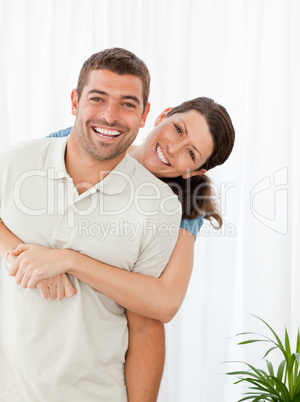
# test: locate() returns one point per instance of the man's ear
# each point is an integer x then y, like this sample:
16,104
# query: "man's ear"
74,102
145,114
162,116
194,173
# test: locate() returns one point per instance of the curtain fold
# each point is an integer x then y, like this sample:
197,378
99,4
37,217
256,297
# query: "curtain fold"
245,55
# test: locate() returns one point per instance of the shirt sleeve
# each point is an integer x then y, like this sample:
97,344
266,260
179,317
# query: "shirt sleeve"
61,133
159,241
192,225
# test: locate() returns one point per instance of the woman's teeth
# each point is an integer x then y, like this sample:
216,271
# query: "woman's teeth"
106,133
161,156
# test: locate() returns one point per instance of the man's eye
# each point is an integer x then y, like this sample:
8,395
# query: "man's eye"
178,129
96,99
192,155
128,104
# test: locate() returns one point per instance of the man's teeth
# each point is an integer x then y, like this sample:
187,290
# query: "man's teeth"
103,132
161,156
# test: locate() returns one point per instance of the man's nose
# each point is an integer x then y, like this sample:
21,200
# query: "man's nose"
110,113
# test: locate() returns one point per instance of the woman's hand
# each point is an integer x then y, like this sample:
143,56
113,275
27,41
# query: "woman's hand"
35,263
56,288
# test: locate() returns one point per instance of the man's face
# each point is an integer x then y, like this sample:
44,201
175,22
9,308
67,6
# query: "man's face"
108,114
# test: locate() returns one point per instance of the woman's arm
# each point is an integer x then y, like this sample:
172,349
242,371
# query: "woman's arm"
55,288
158,298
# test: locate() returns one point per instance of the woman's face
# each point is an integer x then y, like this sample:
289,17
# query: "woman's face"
178,144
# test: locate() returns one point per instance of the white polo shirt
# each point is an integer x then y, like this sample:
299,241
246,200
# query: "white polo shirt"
74,349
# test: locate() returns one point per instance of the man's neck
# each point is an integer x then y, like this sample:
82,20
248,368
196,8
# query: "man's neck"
85,170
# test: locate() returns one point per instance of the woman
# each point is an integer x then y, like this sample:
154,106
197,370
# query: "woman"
178,156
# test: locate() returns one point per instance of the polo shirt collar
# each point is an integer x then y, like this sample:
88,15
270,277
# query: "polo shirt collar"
118,178
113,183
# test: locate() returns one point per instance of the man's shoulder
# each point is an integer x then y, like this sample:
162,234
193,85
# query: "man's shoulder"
30,153
143,176
27,146
152,193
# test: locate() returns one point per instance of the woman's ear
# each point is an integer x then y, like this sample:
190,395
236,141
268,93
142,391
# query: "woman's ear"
194,173
162,116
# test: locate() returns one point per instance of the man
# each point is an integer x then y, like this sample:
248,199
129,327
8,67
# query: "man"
57,192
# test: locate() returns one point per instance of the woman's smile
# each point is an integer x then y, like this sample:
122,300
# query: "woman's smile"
161,155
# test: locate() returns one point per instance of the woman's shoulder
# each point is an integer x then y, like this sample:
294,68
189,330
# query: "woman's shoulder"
192,225
61,133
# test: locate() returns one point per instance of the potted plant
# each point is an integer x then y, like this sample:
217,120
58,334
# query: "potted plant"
280,385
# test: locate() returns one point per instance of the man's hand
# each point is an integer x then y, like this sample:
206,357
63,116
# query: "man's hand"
35,263
56,288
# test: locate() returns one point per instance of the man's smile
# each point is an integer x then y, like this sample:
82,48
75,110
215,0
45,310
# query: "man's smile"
106,132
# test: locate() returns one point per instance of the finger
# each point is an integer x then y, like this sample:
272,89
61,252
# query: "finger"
25,279
19,272
52,289
13,269
43,289
33,281
68,288
27,272
19,249
60,291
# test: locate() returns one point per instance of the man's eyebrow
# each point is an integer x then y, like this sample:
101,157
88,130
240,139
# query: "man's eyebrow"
187,133
132,97
91,91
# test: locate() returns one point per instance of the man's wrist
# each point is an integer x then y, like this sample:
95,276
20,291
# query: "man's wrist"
71,258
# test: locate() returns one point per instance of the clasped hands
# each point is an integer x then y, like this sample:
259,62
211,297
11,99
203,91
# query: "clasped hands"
35,266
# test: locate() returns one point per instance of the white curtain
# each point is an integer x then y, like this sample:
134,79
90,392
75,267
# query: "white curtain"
246,55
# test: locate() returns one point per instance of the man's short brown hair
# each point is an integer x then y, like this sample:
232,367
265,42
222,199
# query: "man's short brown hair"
119,61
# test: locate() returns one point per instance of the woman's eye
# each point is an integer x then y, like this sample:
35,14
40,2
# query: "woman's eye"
192,155
178,129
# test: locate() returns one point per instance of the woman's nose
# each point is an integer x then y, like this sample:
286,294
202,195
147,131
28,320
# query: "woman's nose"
174,147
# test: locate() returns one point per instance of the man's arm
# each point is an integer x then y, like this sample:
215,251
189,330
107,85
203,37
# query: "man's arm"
145,358
54,288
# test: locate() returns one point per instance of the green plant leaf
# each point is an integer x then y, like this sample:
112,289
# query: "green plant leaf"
296,366
287,344
273,332
270,350
281,370
298,343
281,387
266,386
260,397
296,398
297,384
270,368
252,341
